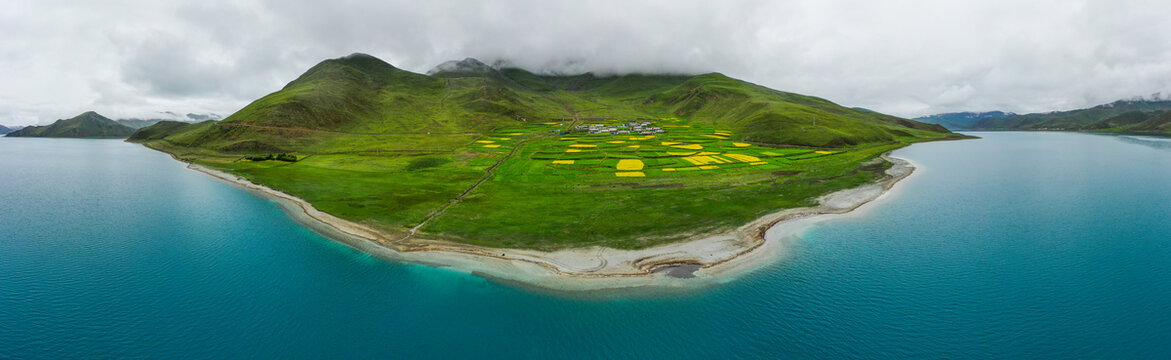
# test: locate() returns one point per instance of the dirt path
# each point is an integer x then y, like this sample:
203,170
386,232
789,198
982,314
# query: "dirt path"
487,175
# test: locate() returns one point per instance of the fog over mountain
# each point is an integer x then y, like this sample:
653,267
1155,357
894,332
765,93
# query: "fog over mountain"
907,58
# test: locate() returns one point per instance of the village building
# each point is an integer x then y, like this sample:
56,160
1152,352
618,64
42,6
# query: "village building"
634,127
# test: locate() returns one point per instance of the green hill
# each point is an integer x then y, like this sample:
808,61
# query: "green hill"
163,128
503,157
1125,119
86,125
1081,119
1160,123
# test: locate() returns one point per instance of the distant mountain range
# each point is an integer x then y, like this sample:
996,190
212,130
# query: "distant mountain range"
138,123
961,120
93,125
87,125
1118,116
1123,116
189,118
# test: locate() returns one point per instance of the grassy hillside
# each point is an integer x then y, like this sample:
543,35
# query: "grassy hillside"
759,114
164,128
86,125
1160,123
1074,119
490,156
1122,120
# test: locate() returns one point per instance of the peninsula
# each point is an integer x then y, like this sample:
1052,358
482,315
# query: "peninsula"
504,171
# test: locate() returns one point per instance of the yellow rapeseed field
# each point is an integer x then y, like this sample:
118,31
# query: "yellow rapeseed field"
583,145
741,144
688,146
704,160
485,141
573,150
563,162
743,158
630,174
630,164
492,146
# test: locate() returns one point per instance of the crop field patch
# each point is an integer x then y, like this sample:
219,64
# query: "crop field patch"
630,164
554,152
630,174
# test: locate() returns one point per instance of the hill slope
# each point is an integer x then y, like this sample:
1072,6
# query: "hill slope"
5,130
163,128
504,157
86,125
1122,120
760,114
1160,123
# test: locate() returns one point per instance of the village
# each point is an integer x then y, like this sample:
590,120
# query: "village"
634,127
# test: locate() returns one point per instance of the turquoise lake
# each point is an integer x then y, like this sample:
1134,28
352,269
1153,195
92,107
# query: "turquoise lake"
1017,245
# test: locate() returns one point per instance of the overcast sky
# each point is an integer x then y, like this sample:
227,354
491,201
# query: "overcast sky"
907,58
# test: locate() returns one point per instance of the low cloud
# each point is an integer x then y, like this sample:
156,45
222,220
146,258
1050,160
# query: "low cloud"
908,58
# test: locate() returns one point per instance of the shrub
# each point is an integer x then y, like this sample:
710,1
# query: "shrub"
426,162
278,157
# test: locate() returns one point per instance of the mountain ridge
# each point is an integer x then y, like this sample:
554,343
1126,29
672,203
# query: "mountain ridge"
86,125
1077,119
961,120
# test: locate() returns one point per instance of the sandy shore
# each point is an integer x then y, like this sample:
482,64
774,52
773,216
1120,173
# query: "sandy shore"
702,261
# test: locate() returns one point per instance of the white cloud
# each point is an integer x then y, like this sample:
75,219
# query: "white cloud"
908,58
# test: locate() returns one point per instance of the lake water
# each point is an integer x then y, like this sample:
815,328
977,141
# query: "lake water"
1018,245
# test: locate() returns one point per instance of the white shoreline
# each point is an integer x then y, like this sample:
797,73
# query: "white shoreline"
721,257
